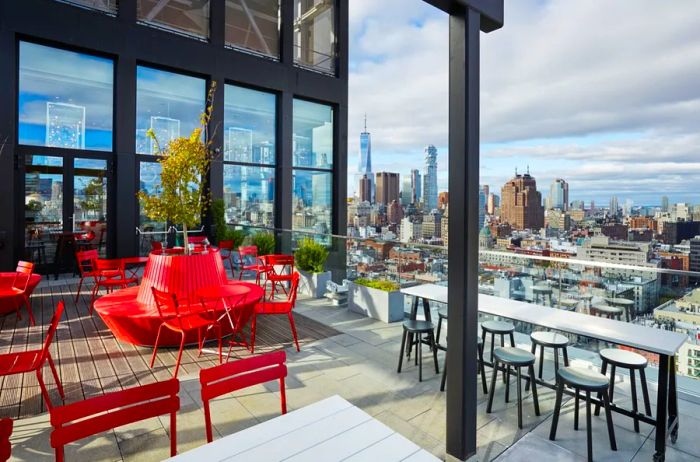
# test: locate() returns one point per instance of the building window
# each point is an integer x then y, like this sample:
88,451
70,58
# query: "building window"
149,182
254,25
190,17
168,103
108,6
65,98
314,35
313,163
249,152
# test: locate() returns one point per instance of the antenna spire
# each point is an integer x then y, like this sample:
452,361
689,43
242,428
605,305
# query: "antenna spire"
516,171
528,169
365,122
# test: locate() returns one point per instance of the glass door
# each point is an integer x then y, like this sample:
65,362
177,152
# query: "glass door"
89,217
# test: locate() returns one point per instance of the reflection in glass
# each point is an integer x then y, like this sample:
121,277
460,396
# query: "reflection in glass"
314,34
249,195
65,98
190,17
168,103
43,207
149,181
90,202
312,201
313,135
249,125
253,25
108,6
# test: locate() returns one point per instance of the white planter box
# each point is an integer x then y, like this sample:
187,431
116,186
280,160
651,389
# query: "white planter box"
313,284
375,303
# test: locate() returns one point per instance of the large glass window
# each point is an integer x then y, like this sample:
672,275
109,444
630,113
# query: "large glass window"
65,98
90,201
249,146
189,17
168,103
43,207
253,25
313,162
108,6
314,35
149,182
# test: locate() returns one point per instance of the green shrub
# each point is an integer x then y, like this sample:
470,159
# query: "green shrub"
235,235
218,209
310,256
264,241
380,284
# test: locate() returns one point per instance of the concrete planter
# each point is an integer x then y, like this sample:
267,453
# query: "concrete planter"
313,284
375,303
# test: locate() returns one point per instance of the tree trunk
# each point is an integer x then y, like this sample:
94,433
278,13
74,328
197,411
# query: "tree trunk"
186,241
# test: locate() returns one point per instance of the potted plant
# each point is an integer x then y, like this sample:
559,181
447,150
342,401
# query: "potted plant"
264,241
185,161
310,259
378,299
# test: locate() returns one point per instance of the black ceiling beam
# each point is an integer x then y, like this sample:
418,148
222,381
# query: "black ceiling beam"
491,11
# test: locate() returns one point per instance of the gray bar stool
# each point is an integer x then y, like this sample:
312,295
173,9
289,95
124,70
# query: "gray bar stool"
416,329
606,311
494,328
516,358
589,382
552,340
480,366
633,362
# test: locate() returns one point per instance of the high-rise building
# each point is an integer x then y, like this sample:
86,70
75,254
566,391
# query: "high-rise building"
406,190
431,224
364,166
443,200
492,203
365,189
416,187
430,192
394,212
559,195
387,189
614,206
521,203
482,205
445,225
695,254
664,203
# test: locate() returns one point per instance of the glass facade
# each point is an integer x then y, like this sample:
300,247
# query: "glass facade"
249,195
90,201
65,98
312,201
254,25
168,103
187,17
108,6
149,181
314,35
43,207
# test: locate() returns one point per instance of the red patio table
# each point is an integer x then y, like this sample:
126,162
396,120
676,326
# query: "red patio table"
134,263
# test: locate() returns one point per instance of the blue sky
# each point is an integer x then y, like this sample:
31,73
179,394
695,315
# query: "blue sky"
611,106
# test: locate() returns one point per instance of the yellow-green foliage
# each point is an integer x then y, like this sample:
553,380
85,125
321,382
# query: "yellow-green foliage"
381,284
311,256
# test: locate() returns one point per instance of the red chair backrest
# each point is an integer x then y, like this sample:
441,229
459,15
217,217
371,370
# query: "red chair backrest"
23,274
292,296
248,250
81,419
166,303
287,261
156,246
86,261
5,433
226,245
53,327
196,239
243,373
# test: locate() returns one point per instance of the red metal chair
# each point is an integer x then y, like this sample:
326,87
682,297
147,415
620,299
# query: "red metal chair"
109,274
197,240
182,323
156,246
258,264
19,287
5,433
280,271
277,307
85,260
226,252
79,420
33,360
243,373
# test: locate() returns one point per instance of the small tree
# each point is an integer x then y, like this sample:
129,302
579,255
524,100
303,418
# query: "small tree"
185,163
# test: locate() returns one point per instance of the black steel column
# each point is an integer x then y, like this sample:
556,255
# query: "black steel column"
463,256
11,243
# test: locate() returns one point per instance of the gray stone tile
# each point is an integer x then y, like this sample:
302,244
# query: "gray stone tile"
532,447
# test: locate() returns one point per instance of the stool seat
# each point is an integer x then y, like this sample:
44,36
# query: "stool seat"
607,309
583,379
623,358
498,327
413,325
514,356
549,339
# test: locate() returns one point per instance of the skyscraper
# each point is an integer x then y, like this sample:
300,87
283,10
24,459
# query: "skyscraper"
430,192
387,189
521,203
365,189
559,195
614,206
416,187
664,203
406,190
364,166
482,205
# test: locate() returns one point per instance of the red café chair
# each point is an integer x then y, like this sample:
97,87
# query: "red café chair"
226,252
280,271
156,246
5,434
81,419
85,260
34,360
277,307
109,274
173,319
256,264
243,373
20,286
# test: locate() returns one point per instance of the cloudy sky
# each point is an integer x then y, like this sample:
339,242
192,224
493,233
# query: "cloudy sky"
605,94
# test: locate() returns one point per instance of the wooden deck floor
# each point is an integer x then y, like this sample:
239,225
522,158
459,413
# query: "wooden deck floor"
91,361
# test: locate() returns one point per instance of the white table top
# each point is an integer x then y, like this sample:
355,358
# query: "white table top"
329,430
622,333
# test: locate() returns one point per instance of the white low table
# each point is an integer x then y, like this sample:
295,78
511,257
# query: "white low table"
329,430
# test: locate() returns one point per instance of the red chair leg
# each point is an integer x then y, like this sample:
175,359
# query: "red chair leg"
155,347
59,454
207,422
240,275
173,434
29,309
218,329
294,329
80,284
200,341
44,391
283,396
179,354
55,377
252,333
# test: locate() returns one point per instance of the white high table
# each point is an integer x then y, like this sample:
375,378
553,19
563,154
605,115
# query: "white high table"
329,430
662,342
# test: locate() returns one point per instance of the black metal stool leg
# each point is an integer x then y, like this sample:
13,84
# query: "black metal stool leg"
541,361
535,399
557,410
444,374
645,391
556,360
634,401
520,399
439,329
533,349
576,406
482,368
493,387
589,433
611,391
493,340
603,370
566,358
512,340
433,344
608,418
419,354
507,372
403,346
